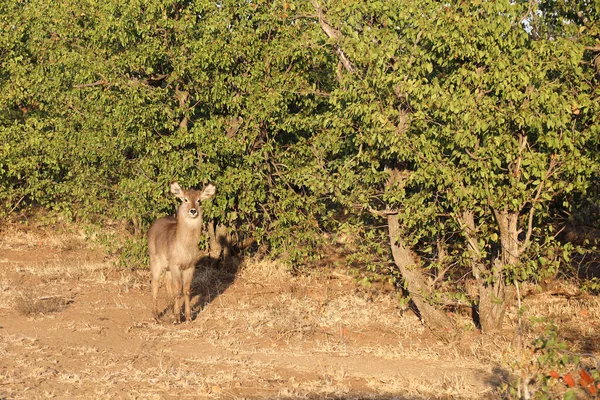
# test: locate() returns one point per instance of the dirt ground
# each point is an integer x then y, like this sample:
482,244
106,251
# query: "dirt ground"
73,325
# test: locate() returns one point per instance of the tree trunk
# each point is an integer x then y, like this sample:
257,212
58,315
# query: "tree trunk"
492,291
509,236
408,264
182,97
224,237
220,243
498,296
492,301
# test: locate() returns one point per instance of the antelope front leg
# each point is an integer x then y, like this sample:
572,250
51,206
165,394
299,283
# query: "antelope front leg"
169,286
177,286
188,276
155,285
156,272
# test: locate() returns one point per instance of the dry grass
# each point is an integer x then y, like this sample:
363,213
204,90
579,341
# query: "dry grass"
45,305
56,237
577,318
269,334
58,270
299,307
77,327
439,386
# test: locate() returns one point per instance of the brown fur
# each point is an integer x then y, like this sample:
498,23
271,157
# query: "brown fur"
173,248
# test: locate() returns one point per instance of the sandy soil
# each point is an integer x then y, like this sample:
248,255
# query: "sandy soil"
72,325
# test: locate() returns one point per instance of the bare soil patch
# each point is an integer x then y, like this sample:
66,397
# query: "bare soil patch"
75,326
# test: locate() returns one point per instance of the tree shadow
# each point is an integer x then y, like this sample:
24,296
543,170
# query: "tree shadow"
390,396
498,378
165,311
212,277
586,340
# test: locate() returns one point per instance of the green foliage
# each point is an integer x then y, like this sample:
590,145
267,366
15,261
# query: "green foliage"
548,370
592,286
485,106
107,103
478,114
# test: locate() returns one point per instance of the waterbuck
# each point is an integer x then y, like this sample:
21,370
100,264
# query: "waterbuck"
173,248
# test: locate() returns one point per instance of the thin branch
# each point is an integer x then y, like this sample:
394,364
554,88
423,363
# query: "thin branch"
157,78
139,169
519,338
101,82
86,85
332,33
535,200
382,213
522,145
529,11
16,204
412,54
473,156
441,258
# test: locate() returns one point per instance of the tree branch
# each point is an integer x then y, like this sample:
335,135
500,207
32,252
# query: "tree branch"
412,54
467,222
382,213
86,85
522,145
473,156
101,82
332,33
534,201
441,259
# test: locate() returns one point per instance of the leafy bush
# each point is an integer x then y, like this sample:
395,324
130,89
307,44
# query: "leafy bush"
548,370
447,136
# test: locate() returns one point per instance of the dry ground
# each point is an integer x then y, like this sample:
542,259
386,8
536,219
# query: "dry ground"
72,325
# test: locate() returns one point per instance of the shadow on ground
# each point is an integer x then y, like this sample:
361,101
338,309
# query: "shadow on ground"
211,279
399,396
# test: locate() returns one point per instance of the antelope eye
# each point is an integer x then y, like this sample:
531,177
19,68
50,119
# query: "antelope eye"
186,200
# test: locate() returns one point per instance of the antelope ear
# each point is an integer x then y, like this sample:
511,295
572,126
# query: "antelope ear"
208,192
176,190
